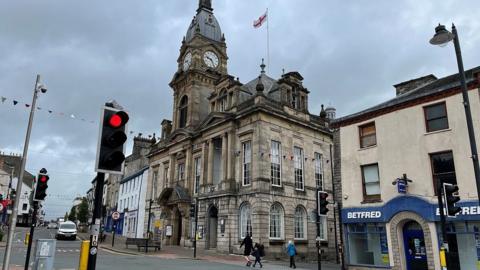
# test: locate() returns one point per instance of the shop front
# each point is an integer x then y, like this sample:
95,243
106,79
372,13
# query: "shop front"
405,233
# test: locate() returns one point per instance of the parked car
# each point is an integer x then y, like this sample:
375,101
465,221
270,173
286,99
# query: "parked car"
66,230
52,225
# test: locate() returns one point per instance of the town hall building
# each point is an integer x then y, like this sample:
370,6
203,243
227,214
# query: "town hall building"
251,156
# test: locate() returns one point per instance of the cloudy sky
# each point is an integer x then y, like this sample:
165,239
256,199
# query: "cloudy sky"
88,52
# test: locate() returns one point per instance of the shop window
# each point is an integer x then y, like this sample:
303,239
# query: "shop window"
276,221
371,182
275,164
367,245
245,220
319,171
300,223
368,135
298,160
443,168
436,117
462,240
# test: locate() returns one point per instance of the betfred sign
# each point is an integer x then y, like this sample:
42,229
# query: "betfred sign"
364,214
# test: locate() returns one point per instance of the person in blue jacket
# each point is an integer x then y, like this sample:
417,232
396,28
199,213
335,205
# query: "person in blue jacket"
291,251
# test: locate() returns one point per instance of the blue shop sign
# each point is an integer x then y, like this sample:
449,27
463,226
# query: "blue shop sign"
428,211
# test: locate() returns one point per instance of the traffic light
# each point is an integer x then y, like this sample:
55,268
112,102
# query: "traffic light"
192,210
111,143
451,198
41,186
322,203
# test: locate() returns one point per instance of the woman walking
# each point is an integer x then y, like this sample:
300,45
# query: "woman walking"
291,251
247,241
258,252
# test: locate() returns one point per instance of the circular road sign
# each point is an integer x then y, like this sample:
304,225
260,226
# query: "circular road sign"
115,215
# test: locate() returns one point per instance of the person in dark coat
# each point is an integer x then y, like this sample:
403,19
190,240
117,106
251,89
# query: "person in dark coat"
247,241
258,253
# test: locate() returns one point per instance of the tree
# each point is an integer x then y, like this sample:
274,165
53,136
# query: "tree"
82,214
73,214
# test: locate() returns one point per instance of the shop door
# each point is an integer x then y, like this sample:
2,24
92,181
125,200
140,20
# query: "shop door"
212,227
415,251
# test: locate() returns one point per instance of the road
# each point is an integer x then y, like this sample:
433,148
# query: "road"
67,256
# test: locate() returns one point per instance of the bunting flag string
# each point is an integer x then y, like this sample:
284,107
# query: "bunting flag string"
69,115
72,116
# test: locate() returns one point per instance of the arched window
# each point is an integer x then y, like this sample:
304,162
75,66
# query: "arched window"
183,108
276,221
245,220
300,223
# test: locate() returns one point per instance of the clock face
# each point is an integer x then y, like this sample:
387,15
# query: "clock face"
187,61
210,59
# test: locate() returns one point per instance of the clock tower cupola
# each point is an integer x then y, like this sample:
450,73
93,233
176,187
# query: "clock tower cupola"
201,63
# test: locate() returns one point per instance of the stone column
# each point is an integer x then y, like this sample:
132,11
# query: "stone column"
204,163
210,162
172,170
224,156
188,169
230,153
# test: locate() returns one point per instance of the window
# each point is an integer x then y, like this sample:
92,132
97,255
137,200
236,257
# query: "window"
368,135
181,172
319,171
367,244
24,207
247,161
154,184
298,156
436,117
223,101
443,168
197,165
323,228
371,182
276,221
183,108
165,176
245,220
275,161
300,223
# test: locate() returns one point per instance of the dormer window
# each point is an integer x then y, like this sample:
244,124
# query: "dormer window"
183,109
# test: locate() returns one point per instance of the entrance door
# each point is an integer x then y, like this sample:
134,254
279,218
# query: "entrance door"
414,242
179,228
212,227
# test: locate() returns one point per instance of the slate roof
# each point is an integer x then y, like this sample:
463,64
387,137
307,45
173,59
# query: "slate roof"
206,24
16,162
433,88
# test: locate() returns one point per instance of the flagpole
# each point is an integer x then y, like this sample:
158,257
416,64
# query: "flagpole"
268,43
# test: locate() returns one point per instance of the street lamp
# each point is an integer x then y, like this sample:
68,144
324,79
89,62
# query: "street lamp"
442,37
13,218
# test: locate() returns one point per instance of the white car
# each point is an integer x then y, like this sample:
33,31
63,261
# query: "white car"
52,225
66,230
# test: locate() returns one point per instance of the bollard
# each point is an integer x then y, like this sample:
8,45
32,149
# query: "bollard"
443,260
27,237
82,265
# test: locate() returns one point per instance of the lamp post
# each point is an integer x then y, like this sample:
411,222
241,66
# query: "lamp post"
13,218
442,37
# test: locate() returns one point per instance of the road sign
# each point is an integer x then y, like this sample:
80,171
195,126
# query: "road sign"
115,215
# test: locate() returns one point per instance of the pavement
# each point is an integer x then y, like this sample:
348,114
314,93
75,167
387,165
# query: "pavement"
182,253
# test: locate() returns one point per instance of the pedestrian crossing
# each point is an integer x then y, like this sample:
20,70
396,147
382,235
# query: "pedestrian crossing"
59,250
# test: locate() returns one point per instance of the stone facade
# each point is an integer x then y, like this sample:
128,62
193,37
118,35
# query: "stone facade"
217,152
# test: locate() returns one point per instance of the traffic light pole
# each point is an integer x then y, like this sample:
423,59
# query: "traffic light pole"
441,209
319,257
30,237
95,225
13,217
196,228
149,223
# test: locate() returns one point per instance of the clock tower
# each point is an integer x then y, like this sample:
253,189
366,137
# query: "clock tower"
201,63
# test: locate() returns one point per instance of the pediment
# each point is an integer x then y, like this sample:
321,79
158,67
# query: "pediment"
214,118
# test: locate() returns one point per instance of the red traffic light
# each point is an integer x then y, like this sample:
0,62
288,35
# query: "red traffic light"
43,178
118,119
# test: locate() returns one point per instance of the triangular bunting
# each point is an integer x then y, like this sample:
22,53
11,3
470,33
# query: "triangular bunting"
3,99
15,102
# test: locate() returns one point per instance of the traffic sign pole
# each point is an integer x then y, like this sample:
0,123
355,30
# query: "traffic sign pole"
115,217
95,226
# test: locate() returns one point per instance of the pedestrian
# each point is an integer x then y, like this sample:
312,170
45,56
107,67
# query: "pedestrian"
258,253
291,251
247,241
